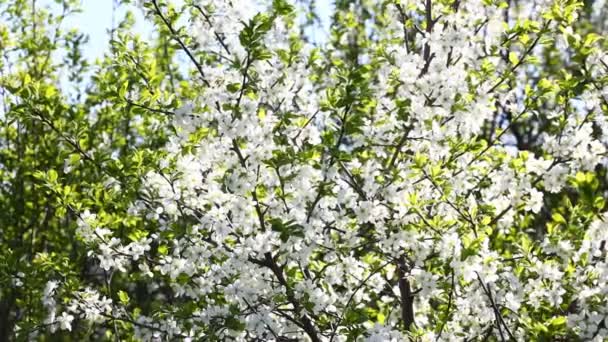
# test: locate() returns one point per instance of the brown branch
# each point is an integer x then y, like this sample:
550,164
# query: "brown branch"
219,38
426,55
498,318
175,36
154,110
447,311
407,298
306,322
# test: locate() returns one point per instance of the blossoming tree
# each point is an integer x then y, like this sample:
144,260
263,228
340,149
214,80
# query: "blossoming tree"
432,170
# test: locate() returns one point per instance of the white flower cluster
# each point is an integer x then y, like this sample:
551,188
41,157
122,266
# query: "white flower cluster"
324,209
63,321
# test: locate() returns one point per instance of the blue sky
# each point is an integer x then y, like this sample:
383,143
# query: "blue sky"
95,21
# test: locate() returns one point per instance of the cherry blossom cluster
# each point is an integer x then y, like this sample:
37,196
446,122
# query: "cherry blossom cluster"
306,196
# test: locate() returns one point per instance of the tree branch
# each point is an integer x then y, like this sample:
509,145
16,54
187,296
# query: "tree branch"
175,36
407,298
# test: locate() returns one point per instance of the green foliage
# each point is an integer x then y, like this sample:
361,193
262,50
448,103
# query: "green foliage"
71,142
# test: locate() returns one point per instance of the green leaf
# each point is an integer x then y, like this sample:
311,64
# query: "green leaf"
123,296
163,249
558,321
599,203
513,58
233,87
282,7
557,217
122,92
52,176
